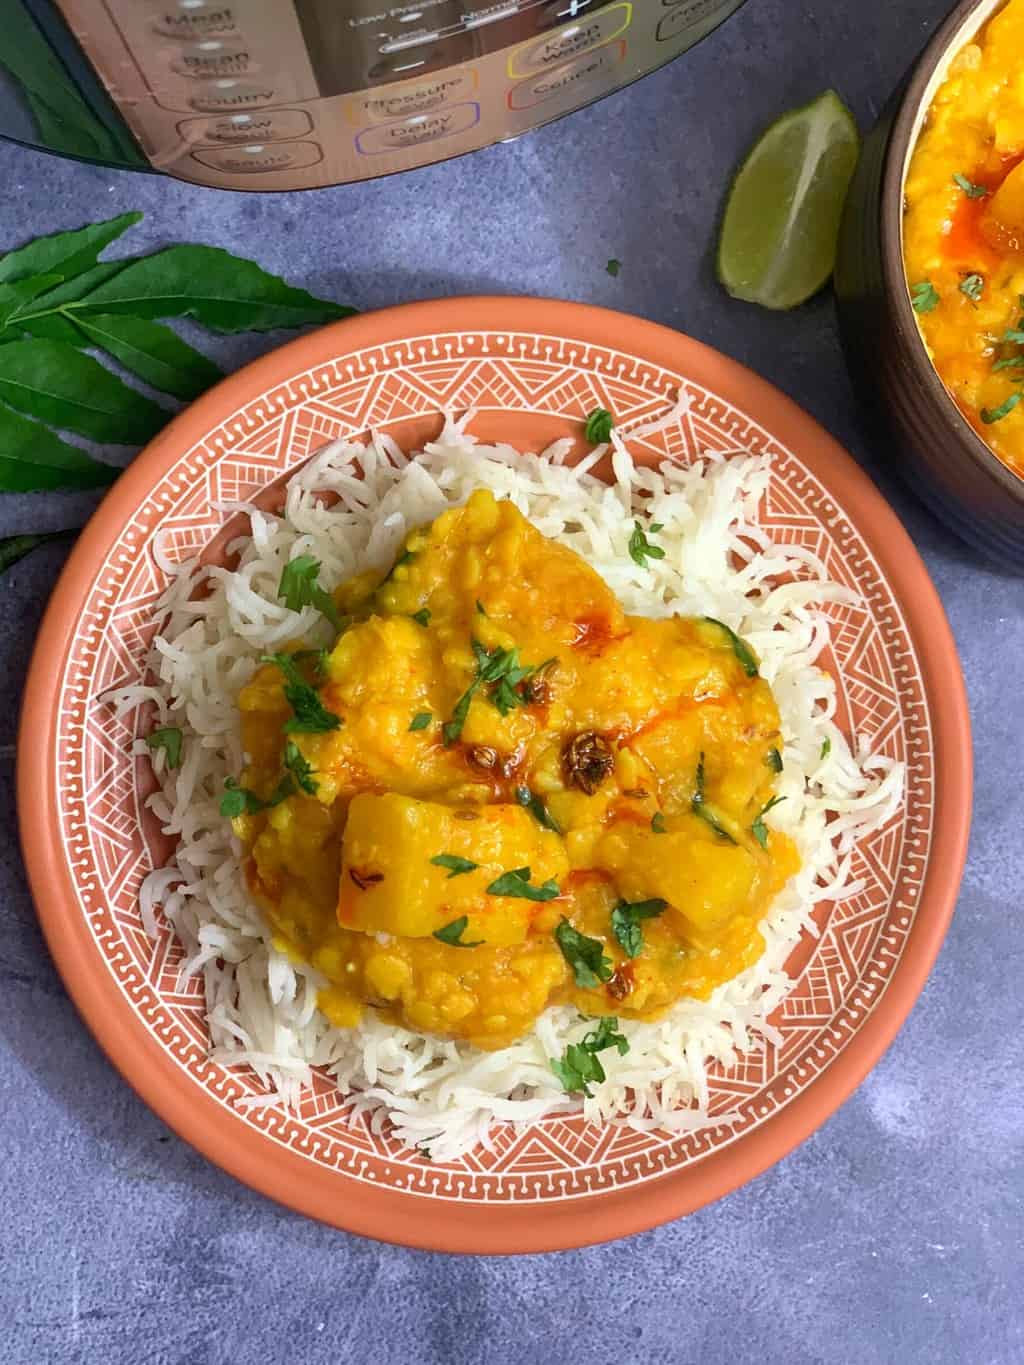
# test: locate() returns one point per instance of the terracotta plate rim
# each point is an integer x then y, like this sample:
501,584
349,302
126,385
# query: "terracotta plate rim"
408,1218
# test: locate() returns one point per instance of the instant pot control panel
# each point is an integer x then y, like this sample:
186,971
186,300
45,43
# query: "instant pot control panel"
291,94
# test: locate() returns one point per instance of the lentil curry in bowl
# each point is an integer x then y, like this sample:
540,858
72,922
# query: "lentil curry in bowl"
963,232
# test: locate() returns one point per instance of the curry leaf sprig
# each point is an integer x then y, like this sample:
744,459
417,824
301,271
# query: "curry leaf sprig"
59,303
579,1066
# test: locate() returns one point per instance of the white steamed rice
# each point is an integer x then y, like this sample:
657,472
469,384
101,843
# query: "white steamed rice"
443,1096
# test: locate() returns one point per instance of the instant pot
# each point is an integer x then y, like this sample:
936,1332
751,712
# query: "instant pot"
293,94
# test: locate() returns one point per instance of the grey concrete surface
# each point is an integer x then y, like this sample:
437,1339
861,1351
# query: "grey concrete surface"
892,1235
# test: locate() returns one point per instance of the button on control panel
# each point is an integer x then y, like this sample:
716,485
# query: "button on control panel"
402,101
568,81
415,131
260,158
223,96
559,46
270,125
195,20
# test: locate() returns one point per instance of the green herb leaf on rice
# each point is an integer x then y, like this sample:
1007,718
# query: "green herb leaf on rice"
168,739
300,587
641,548
579,1066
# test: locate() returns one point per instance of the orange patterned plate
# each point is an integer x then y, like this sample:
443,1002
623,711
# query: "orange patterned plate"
532,369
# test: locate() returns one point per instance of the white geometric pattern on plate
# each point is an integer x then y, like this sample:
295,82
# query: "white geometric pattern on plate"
881,689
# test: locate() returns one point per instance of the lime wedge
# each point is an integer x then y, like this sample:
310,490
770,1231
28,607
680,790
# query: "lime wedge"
778,240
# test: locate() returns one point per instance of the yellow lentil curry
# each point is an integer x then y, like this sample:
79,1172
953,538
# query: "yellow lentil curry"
498,791
963,233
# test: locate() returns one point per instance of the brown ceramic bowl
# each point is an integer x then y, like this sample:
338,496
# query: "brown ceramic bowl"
945,461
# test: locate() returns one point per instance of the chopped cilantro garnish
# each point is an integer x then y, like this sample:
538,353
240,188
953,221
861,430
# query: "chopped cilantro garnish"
641,549
598,426
579,1066
457,867
421,720
626,919
481,609
990,415
452,729
501,672
700,808
452,934
311,716
774,760
421,617
299,588
516,884
584,955
740,648
924,297
299,768
658,823
168,738
759,829
826,747
969,188
241,801
973,286
531,801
